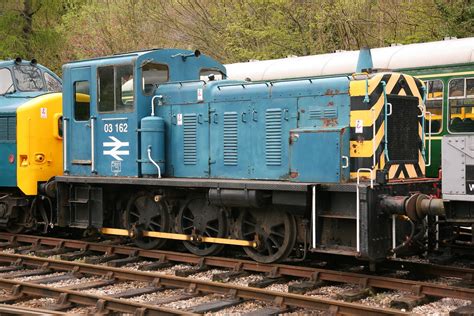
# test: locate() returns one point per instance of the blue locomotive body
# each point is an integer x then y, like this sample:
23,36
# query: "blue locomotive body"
158,145
271,131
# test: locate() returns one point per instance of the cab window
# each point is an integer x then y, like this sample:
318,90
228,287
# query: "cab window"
116,88
461,105
210,74
434,104
52,83
152,75
81,101
6,81
28,78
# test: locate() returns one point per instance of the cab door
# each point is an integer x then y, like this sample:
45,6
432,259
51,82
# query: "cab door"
77,122
115,123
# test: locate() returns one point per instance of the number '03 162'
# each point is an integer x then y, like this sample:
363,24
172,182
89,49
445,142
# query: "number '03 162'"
117,127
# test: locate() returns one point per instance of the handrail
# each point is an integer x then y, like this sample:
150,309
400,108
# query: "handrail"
422,107
65,119
386,115
429,139
153,162
374,133
93,144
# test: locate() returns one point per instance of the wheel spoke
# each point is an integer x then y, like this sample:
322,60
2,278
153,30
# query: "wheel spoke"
252,232
191,219
212,228
186,228
155,224
248,223
269,248
274,241
277,233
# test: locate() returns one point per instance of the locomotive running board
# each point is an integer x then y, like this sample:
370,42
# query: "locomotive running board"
183,237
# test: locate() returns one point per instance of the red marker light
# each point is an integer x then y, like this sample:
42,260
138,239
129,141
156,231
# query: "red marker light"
11,158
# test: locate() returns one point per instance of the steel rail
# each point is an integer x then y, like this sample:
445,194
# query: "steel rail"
157,279
315,274
81,298
27,311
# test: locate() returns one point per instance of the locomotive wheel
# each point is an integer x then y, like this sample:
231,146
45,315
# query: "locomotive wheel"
274,232
143,213
198,217
16,223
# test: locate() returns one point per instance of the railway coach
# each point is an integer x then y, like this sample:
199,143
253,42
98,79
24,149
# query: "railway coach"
159,145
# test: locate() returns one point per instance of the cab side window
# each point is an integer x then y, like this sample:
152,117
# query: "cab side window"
116,88
152,75
461,105
82,98
434,104
52,83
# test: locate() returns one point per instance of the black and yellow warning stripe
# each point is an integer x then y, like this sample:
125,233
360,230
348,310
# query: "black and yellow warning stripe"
368,106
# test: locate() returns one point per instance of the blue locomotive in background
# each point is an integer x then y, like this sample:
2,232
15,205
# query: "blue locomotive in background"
30,141
158,145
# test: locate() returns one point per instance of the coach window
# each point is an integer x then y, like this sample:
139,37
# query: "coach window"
6,81
116,88
82,106
434,104
210,74
461,105
52,83
152,75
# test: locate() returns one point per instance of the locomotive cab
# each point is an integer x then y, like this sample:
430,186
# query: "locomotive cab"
106,98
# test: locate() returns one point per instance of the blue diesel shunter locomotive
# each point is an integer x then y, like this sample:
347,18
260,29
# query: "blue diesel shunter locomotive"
159,145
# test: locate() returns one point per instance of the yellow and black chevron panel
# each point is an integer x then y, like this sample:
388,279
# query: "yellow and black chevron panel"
367,109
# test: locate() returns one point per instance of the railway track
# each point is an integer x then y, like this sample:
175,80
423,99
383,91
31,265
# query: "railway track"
114,256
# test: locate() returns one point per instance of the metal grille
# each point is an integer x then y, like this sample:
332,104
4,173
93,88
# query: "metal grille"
273,144
320,113
190,139
402,129
8,128
230,139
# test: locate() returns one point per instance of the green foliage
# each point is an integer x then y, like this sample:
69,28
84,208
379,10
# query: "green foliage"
57,31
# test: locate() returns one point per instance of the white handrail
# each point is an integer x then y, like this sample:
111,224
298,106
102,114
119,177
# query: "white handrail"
429,139
65,143
374,159
153,162
93,144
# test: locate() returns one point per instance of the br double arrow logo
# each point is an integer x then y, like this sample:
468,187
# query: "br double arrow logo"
116,148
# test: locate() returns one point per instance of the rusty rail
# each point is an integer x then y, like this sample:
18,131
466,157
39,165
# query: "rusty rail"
315,274
207,287
102,303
